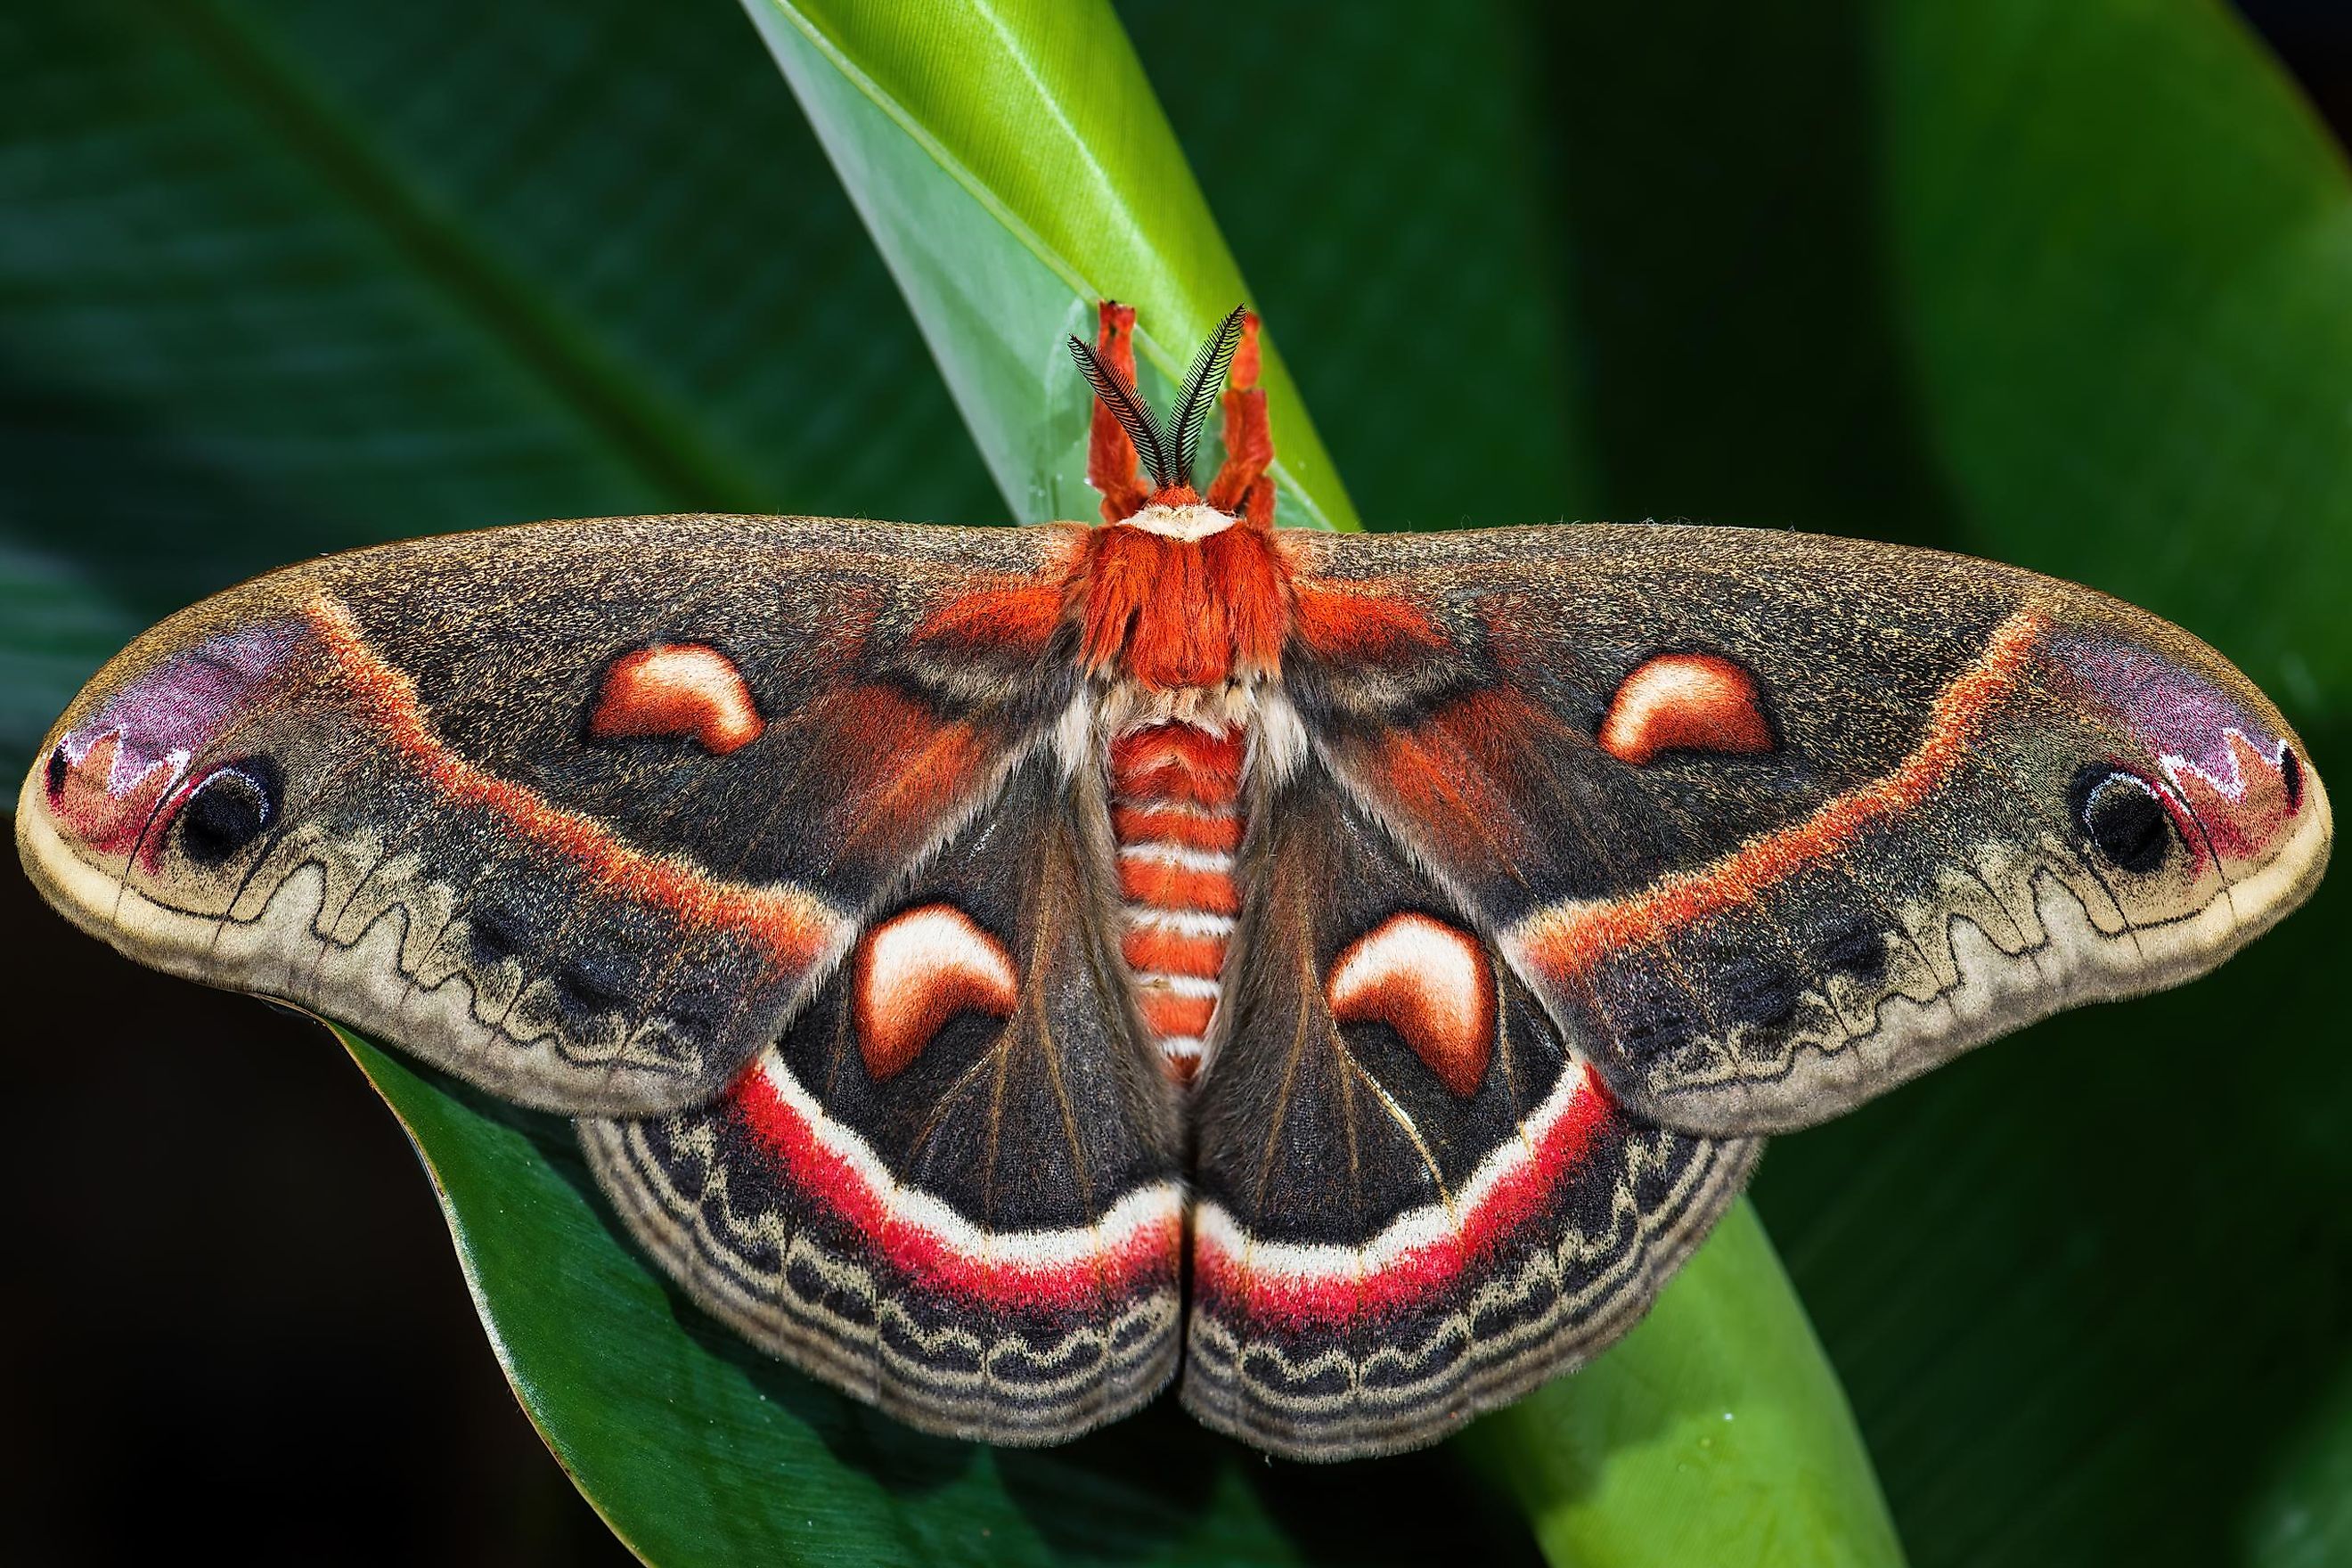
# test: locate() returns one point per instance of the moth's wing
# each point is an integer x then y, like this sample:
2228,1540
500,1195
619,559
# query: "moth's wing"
952,1188
1773,822
577,811
1413,1200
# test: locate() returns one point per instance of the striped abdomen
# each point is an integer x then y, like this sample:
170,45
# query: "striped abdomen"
1176,818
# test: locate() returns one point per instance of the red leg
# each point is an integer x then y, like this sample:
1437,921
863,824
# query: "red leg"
1241,485
1111,464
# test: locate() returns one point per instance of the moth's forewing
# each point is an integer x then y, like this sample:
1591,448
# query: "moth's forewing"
1573,858
437,789
1979,796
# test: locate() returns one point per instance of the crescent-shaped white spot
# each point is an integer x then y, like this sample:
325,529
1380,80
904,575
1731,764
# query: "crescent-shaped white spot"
1432,984
918,970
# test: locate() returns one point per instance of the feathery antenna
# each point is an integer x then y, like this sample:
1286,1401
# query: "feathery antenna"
1167,451
1126,406
1204,382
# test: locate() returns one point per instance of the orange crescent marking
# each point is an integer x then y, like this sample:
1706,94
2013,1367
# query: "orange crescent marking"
1568,938
794,926
918,970
1431,983
1685,701
682,689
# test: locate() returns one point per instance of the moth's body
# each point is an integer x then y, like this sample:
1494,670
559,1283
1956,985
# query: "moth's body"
993,967
1175,730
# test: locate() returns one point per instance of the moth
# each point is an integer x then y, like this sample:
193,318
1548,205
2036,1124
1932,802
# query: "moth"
1001,971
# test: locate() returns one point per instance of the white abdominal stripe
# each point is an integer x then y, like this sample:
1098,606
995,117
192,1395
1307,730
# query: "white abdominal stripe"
1179,984
1159,852
1184,1048
1183,923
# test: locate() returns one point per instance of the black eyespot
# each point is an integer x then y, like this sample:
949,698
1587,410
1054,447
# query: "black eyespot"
57,774
2289,776
2123,817
231,808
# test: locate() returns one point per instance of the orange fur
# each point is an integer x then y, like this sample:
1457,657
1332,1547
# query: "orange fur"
1133,825
1170,612
1362,625
1112,467
1149,950
1170,1015
908,761
1016,614
904,998
1432,984
1685,701
1249,439
685,691
1165,887
1179,764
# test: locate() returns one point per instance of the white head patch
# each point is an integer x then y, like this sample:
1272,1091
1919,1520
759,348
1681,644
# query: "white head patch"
1185,522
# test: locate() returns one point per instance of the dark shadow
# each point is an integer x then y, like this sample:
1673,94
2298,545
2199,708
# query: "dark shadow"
177,522
1717,214
231,1309
2313,40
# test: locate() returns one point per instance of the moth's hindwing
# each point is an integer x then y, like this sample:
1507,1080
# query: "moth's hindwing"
1414,1201
1772,823
573,810
952,1189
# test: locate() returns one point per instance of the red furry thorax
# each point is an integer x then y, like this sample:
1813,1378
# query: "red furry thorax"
1169,612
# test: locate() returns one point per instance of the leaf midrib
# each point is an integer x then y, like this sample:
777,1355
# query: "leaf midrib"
641,429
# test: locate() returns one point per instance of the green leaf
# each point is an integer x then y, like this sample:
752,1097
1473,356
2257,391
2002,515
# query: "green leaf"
1012,163
2086,1287
263,294
1709,1435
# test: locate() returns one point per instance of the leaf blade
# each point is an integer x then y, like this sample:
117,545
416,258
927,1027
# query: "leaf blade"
1700,1434
1056,178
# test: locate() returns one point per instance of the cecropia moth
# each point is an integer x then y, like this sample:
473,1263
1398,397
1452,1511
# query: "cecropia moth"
1001,971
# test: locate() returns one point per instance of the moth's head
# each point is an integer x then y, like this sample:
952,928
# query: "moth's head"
2187,795
161,786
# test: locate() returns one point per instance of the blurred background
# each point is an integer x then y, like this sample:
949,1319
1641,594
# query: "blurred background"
278,277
